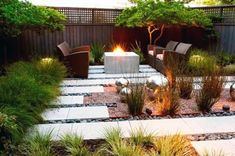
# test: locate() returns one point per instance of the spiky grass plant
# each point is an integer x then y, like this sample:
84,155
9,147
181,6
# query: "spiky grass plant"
40,144
97,52
137,49
116,146
185,86
214,153
167,100
210,91
74,145
141,138
135,99
174,145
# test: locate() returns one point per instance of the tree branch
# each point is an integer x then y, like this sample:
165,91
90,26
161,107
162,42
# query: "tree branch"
162,29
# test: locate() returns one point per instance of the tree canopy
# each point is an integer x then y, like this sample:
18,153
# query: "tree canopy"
16,16
155,14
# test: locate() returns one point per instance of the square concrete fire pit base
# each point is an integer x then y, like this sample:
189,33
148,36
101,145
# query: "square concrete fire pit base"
116,63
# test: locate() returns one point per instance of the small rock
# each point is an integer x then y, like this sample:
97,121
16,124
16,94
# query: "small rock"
155,81
122,82
148,111
226,108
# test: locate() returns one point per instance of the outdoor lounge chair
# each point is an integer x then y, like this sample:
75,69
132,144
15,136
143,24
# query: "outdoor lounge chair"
171,58
153,50
76,59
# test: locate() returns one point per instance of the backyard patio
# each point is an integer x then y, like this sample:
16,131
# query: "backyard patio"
153,78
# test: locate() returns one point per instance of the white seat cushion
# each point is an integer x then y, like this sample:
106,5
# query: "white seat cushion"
151,52
159,56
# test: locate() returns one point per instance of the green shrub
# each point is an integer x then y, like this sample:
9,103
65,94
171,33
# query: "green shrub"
224,59
74,144
201,63
25,92
135,99
45,71
97,52
229,69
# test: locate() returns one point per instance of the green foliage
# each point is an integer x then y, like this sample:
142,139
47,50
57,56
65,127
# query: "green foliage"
141,138
176,145
116,146
229,69
136,48
25,92
74,145
97,52
19,15
135,99
224,59
39,144
201,63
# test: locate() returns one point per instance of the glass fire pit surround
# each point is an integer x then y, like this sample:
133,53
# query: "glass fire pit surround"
117,63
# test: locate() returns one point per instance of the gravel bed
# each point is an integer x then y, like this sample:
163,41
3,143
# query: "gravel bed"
77,94
84,105
211,136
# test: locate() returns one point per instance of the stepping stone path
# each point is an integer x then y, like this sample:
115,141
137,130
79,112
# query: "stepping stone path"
67,110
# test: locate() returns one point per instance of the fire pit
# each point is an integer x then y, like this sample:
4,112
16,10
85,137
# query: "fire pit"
118,62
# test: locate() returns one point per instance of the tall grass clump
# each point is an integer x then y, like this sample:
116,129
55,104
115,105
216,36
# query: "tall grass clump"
201,63
176,145
210,91
74,145
141,138
97,52
25,92
135,99
39,144
185,86
116,146
167,100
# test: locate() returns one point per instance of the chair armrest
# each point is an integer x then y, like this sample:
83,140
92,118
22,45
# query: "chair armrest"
81,48
172,57
158,50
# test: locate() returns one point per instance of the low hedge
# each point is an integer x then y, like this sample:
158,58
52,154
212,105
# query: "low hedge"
25,92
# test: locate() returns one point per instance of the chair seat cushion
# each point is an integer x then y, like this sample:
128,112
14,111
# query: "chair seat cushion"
151,52
159,56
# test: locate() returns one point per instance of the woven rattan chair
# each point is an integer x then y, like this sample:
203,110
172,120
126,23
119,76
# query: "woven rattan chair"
154,50
76,59
172,58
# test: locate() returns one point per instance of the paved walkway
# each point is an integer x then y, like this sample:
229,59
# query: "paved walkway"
95,130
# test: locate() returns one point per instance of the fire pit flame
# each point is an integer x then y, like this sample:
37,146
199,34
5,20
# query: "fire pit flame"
118,50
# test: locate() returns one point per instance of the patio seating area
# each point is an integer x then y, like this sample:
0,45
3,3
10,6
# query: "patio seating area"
154,78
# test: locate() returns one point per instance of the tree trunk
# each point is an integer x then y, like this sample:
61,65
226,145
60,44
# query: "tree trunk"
161,33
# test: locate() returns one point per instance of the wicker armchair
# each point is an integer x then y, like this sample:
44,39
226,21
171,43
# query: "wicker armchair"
171,58
76,59
154,50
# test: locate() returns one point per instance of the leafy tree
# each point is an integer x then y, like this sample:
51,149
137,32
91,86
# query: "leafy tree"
228,1
155,15
16,16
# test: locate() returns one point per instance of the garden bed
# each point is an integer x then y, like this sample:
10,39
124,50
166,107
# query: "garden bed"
187,106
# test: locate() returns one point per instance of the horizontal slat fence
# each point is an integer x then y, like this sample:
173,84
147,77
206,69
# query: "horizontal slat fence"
85,26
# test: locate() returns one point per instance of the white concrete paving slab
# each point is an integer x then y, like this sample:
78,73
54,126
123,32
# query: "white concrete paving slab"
101,70
102,66
56,114
48,128
88,89
202,125
66,100
128,75
227,147
91,112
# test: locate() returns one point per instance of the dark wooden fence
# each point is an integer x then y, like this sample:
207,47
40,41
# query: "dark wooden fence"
85,26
